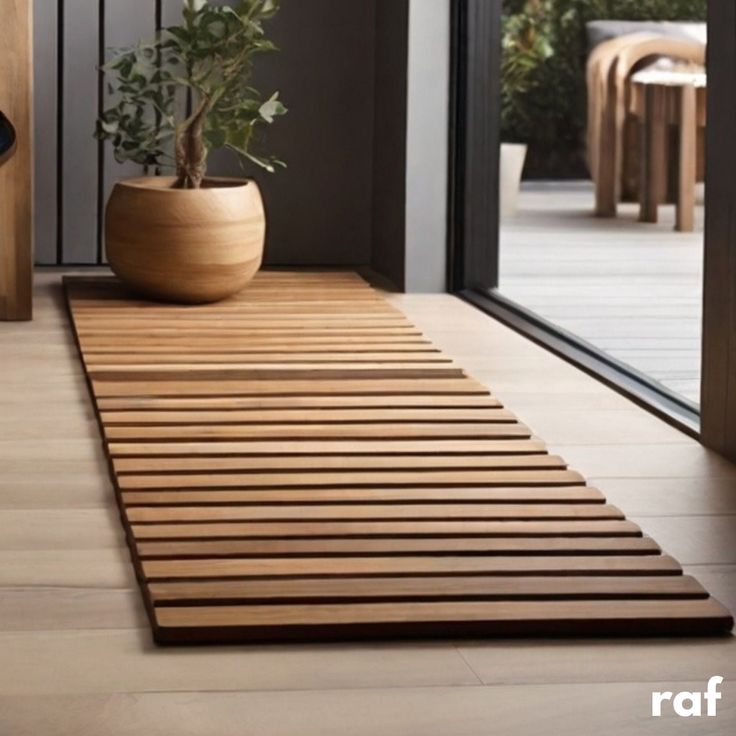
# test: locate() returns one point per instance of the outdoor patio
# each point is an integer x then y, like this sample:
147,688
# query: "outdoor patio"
629,288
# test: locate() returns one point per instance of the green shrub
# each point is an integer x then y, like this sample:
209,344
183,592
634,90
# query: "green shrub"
544,49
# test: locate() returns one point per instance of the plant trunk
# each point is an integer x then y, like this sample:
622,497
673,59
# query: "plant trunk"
191,151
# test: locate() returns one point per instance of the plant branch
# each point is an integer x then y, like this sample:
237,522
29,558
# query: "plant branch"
191,151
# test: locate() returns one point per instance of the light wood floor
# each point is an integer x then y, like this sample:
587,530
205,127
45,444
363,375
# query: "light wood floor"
632,289
77,657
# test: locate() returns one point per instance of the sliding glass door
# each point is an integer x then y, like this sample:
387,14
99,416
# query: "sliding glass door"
582,140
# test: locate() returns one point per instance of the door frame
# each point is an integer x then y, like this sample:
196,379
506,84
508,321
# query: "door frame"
718,392
473,232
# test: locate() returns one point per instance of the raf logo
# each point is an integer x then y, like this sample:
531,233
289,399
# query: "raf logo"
687,704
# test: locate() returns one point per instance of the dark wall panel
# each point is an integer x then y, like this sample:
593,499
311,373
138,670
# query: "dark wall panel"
320,207
389,144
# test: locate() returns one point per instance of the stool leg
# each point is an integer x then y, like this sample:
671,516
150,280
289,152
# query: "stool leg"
654,152
687,174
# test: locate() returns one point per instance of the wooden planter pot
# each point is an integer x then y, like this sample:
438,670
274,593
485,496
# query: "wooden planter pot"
185,245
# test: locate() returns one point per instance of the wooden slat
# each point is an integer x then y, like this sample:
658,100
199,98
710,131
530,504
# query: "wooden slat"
272,337
104,388
256,343
364,547
457,587
101,316
240,359
357,479
210,522
276,416
405,496
349,320
317,463
232,403
411,566
257,328
340,294
300,462
279,371
273,347
437,618
387,431
345,448
344,293
394,512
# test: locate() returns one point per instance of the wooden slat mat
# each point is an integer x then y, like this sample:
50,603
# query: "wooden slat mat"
299,462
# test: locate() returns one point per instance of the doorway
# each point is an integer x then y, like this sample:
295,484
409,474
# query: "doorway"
476,260
484,274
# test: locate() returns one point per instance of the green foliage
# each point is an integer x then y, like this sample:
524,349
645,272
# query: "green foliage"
187,91
544,48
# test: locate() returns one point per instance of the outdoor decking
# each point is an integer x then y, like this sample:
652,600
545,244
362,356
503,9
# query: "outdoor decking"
629,288
76,647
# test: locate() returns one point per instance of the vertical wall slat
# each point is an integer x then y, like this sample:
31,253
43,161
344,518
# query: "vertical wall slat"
45,36
79,152
125,24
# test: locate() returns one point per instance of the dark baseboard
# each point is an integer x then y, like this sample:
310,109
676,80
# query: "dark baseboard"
631,383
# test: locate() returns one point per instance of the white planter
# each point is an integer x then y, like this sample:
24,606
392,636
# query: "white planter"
511,166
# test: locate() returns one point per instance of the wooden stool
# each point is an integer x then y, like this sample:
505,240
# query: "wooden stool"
662,98
608,77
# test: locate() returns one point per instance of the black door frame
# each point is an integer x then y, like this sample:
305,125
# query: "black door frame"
473,231
718,394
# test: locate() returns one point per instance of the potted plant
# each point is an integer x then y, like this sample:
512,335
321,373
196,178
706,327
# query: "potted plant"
524,43
188,237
